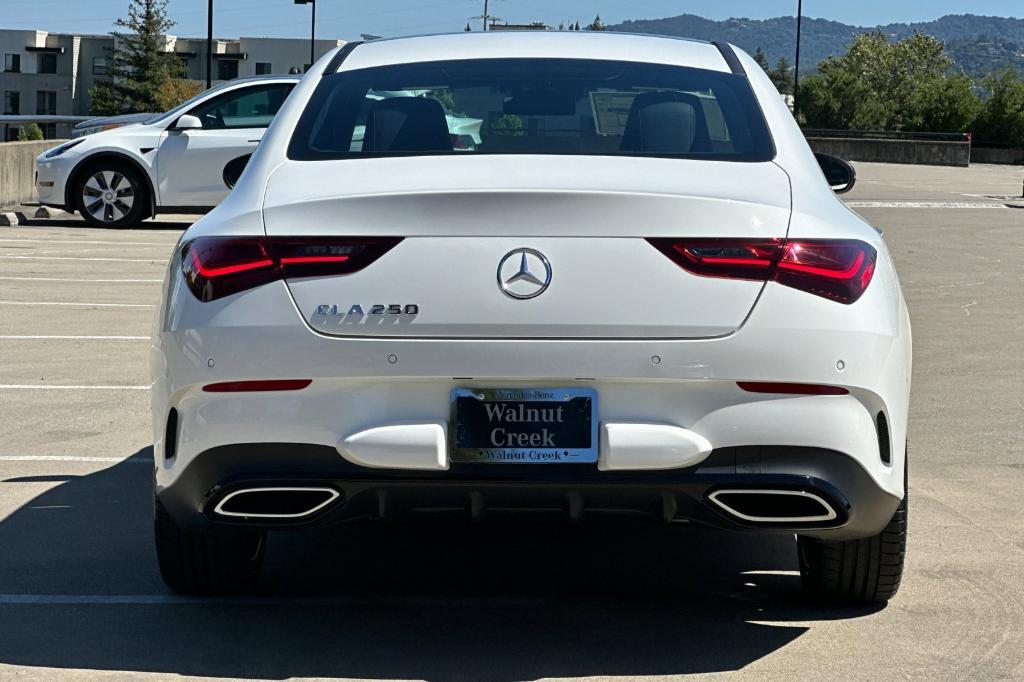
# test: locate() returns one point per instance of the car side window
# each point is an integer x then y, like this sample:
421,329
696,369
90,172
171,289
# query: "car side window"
253,107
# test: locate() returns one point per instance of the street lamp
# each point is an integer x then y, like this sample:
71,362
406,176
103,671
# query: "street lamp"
796,66
312,30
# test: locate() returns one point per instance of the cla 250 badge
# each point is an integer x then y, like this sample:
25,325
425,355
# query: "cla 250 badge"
333,310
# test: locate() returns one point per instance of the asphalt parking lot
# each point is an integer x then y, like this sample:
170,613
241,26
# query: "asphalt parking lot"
80,595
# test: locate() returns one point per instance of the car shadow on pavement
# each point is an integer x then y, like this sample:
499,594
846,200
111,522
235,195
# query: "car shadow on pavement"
435,601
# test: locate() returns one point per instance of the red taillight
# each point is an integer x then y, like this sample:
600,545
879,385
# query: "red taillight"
322,256
215,267
258,385
839,270
793,389
731,258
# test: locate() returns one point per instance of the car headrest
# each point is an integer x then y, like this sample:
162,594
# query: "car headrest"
406,124
666,122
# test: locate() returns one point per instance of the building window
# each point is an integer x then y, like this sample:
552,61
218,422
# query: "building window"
47,63
99,66
12,63
49,130
46,103
12,102
227,69
263,68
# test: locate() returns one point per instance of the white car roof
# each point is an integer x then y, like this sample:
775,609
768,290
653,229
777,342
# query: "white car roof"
537,44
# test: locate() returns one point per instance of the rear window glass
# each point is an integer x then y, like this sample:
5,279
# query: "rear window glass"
533,106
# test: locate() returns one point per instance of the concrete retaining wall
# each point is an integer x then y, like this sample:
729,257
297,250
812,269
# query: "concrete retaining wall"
1003,155
895,151
18,170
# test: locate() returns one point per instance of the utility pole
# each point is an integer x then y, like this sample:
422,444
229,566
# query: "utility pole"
209,43
486,16
796,66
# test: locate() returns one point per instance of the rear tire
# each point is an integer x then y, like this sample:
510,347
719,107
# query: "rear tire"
110,193
207,561
866,571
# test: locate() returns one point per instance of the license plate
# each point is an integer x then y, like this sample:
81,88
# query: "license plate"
524,425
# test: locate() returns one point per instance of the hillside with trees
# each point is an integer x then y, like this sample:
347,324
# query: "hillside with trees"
979,44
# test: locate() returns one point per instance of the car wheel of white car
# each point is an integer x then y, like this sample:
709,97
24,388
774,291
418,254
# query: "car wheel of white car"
864,571
110,194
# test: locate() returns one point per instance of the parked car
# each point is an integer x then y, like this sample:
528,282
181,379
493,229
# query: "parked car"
170,162
634,293
101,123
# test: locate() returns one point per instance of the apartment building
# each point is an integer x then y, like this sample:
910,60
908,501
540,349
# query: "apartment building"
47,73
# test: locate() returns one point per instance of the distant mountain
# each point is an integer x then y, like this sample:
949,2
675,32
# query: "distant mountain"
977,43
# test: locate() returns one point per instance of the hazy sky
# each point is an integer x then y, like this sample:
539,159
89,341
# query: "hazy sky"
348,18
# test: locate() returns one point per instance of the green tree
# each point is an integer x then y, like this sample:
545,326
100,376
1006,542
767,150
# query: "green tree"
139,65
761,59
595,25
882,85
782,77
1002,116
30,132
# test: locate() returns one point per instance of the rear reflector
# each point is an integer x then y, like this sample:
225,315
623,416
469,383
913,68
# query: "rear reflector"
839,270
259,385
795,389
215,267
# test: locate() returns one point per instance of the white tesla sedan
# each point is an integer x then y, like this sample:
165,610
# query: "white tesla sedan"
174,161
635,293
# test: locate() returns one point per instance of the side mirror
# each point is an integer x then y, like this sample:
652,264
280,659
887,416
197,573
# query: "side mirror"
839,174
187,122
233,170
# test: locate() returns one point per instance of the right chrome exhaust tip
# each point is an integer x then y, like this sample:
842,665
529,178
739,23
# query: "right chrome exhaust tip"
275,502
795,507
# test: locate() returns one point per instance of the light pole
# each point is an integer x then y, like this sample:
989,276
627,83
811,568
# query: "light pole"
209,43
312,30
796,66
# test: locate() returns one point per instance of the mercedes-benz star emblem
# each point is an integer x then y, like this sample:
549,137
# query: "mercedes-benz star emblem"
524,273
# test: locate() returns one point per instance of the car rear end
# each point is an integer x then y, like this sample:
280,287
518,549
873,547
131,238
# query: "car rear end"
618,301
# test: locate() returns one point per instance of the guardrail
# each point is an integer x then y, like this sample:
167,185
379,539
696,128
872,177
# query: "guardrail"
24,119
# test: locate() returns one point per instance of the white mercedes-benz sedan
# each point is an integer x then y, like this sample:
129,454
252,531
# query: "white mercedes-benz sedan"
170,162
634,292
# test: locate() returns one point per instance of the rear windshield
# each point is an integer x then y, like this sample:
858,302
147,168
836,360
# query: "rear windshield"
533,106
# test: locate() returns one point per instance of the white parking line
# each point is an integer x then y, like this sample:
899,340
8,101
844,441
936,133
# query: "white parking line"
76,279
71,387
51,242
117,260
88,305
42,337
72,458
175,600
924,204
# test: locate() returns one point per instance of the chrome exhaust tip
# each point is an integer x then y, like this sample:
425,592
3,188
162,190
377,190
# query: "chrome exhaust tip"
774,506
275,502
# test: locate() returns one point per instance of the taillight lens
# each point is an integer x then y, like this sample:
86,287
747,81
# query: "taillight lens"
732,258
839,270
215,267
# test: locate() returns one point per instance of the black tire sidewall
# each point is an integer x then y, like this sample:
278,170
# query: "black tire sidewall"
130,174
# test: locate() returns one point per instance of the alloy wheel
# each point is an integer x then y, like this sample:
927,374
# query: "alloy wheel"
108,196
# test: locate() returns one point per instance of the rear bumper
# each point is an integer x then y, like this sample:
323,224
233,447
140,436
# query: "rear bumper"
574,492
